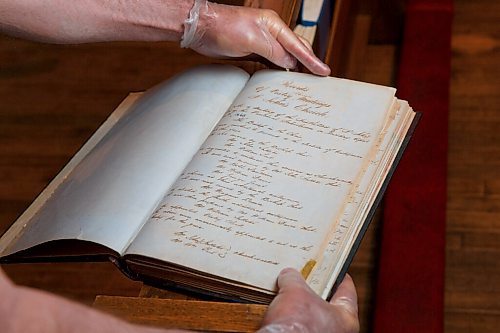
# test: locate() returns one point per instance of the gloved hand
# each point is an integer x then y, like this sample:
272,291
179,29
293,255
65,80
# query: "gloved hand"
232,31
297,309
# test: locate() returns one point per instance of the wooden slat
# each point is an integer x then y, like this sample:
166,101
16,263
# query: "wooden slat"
185,314
78,281
357,48
462,278
339,39
477,220
473,300
471,321
379,64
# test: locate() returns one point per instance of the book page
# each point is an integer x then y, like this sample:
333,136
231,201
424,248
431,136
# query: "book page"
268,184
111,192
361,200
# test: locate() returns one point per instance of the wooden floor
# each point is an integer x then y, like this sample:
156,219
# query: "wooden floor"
472,299
52,98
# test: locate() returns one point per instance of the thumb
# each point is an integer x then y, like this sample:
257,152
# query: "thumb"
290,278
345,297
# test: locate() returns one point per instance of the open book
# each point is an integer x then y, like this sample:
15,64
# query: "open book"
214,181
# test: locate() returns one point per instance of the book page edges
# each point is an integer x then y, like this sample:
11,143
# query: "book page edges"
334,282
391,111
381,179
17,228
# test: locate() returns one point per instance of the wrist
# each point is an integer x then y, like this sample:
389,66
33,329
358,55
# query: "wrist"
190,24
202,17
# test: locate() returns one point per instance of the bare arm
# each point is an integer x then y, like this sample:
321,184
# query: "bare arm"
222,31
28,310
82,21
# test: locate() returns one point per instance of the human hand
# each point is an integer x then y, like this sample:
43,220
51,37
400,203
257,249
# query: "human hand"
233,31
297,309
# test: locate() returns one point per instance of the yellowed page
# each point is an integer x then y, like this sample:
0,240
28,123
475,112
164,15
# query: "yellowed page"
349,223
265,187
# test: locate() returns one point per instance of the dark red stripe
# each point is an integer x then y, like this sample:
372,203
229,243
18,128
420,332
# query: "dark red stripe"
410,285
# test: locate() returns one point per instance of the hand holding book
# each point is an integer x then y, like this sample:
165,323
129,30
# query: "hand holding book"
285,314
297,309
215,182
275,42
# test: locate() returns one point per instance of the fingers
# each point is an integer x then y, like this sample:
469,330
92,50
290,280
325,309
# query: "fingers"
265,44
239,31
306,43
292,44
345,297
297,304
274,52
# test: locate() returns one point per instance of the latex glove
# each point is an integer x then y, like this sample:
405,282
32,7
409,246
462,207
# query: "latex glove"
233,31
297,309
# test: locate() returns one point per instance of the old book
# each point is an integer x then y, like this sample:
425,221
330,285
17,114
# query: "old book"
214,181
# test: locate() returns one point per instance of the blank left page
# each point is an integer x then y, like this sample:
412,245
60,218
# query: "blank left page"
106,197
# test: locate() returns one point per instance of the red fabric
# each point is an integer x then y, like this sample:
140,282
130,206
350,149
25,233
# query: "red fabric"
410,284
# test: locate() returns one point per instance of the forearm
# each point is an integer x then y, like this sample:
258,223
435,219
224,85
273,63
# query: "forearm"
220,31
28,310
81,21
